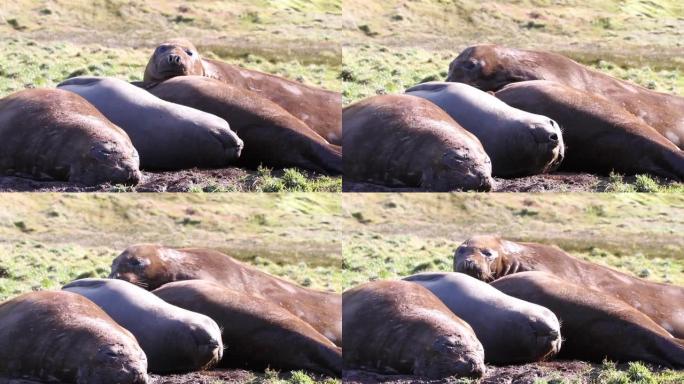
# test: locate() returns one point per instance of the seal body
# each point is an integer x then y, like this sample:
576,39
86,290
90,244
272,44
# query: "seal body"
596,325
318,108
401,327
489,258
257,332
174,339
518,143
407,141
167,136
53,134
272,136
151,266
600,135
62,336
490,67
512,331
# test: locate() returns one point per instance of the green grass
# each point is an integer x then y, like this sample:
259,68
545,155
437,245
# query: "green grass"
47,240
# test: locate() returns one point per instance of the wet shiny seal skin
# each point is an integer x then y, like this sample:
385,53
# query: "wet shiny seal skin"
257,332
318,108
596,325
399,327
272,136
518,143
167,136
51,134
150,266
512,331
61,336
600,136
490,258
407,141
174,339
490,67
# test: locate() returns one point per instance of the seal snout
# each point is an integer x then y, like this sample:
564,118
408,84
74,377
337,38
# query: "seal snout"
174,60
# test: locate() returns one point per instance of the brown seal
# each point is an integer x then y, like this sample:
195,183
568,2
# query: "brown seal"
257,332
596,325
55,134
151,266
407,141
270,134
512,331
320,109
490,67
601,137
401,327
63,336
489,258
178,341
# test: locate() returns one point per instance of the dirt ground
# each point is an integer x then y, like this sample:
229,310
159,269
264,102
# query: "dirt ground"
555,182
512,374
209,180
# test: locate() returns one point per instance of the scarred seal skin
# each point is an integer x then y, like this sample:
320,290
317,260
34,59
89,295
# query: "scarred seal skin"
318,108
272,136
490,67
152,265
62,336
512,331
600,135
407,141
518,143
596,325
174,339
399,327
257,332
167,136
490,257
51,134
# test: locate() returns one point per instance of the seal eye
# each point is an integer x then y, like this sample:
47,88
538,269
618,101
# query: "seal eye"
135,262
487,253
189,52
469,65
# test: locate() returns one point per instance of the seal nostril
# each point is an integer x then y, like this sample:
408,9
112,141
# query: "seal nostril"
553,137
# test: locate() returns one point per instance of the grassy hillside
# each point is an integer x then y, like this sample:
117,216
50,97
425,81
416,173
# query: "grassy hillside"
389,45
47,240
388,236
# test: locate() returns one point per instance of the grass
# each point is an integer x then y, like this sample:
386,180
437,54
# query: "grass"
47,240
389,236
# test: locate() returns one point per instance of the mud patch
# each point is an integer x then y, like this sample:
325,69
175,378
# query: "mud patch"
231,179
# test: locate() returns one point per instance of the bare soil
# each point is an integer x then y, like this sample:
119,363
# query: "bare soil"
512,374
555,182
224,179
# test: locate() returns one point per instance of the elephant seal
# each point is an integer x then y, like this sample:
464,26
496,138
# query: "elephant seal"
596,325
53,134
150,266
271,135
490,67
62,336
512,331
258,333
518,143
174,339
167,136
490,258
600,136
401,327
318,108
407,141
